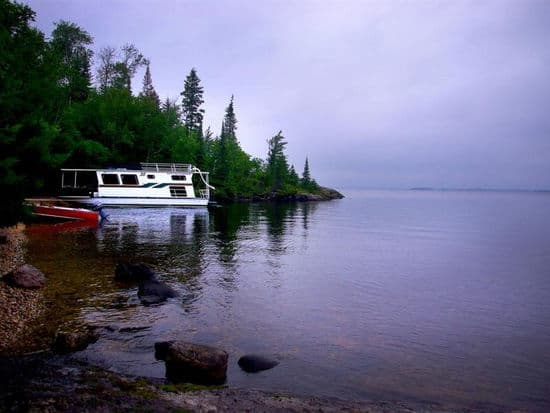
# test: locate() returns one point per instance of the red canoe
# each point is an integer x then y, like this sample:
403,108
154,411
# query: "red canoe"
54,211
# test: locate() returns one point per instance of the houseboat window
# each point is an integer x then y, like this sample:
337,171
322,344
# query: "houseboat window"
150,176
179,177
129,179
110,179
178,191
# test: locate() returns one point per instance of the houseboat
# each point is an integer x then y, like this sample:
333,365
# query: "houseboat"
149,185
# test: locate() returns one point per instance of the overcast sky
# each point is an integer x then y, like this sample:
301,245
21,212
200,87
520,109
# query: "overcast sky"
378,94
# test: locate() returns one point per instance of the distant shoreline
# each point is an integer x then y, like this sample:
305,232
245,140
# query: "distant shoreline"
477,190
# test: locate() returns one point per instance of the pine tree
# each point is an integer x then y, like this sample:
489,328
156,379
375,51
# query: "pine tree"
228,142
308,182
192,101
229,124
306,176
277,165
171,111
148,90
293,178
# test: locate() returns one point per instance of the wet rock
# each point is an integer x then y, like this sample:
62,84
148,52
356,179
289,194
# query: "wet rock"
125,271
150,289
154,292
25,276
70,339
252,363
193,363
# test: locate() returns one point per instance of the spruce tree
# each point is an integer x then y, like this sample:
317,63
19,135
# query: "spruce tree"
228,143
306,176
192,101
277,165
308,183
148,90
229,124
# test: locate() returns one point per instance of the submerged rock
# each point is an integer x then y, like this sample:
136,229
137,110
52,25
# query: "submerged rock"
252,363
25,276
70,339
192,363
150,289
154,291
125,271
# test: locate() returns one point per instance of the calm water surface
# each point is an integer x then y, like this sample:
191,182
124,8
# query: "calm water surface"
442,296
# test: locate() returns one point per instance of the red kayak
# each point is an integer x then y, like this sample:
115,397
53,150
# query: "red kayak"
54,211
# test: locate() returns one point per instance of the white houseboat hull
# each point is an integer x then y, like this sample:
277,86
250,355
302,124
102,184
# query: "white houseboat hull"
137,202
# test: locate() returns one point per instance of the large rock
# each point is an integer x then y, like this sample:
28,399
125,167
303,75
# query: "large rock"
76,338
25,276
192,363
252,363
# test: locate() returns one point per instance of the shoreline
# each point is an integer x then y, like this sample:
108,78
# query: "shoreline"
323,194
48,382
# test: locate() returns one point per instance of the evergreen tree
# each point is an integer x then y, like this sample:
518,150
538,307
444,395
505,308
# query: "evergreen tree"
293,178
228,144
308,183
171,110
229,124
148,90
277,165
306,176
192,101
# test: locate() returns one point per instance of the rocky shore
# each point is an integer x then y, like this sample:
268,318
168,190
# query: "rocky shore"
48,382
19,307
52,383
322,194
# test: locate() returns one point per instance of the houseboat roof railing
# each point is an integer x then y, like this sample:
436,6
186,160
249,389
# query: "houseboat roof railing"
166,167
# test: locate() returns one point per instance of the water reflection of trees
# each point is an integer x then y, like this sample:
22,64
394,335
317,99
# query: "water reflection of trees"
228,220
278,219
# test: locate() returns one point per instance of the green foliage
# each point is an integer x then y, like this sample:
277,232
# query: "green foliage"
307,182
192,101
148,91
69,46
277,165
51,117
28,93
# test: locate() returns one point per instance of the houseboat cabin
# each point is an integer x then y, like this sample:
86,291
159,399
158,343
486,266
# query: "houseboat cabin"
151,184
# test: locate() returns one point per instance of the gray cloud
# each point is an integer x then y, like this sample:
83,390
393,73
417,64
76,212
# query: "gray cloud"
376,93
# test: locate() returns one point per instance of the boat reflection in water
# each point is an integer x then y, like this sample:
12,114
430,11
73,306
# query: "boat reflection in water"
150,226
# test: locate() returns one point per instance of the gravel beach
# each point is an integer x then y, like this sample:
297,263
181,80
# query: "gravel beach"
19,308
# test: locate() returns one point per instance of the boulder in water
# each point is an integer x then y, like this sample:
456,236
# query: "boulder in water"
76,338
192,363
253,363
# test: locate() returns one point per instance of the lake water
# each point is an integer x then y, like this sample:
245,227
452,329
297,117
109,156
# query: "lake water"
443,296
